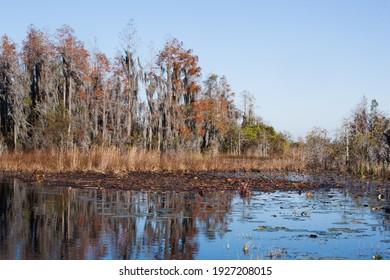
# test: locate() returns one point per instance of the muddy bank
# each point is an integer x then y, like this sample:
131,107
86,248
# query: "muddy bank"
198,181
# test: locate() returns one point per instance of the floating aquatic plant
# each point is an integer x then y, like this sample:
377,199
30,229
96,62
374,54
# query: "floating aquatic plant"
246,247
346,230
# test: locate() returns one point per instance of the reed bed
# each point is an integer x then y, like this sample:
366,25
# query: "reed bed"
112,159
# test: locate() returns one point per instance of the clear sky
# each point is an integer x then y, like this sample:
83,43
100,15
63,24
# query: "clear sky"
308,63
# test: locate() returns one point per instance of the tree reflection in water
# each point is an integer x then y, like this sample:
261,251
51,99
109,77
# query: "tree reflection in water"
67,223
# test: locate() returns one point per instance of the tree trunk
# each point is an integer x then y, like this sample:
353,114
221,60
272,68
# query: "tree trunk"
104,117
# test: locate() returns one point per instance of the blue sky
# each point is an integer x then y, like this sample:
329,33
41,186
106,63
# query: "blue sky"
308,63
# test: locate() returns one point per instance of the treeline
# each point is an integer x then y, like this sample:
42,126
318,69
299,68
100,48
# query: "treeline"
361,146
56,93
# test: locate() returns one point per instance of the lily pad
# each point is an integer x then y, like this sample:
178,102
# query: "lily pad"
266,229
332,258
318,257
296,219
328,233
359,223
277,228
346,230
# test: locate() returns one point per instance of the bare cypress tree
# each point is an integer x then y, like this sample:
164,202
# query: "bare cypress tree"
132,71
155,90
100,100
369,146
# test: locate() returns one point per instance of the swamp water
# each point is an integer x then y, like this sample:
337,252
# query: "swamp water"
38,222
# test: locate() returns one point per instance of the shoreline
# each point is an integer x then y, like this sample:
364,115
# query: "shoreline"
263,181
114,168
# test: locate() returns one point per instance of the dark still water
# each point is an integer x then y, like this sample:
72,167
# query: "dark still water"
39,222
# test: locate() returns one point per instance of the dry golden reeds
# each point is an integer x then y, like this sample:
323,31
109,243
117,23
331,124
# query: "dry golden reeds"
102,159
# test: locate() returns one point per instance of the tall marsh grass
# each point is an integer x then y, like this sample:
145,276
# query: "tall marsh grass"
114,159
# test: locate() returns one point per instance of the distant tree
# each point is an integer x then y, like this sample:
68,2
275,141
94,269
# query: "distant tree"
38,56
369,146
180,73
155,91
259,139
318,148
8,60
214,111
13,103
100,101
248,100
131,73
74,64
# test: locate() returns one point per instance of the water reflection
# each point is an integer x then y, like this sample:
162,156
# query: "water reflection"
68,223
38,222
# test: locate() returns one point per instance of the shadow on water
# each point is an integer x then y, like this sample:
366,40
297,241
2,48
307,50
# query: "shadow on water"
38,222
